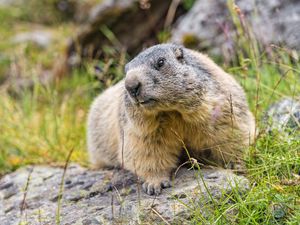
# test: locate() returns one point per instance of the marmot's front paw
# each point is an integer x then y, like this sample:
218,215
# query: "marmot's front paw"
153,188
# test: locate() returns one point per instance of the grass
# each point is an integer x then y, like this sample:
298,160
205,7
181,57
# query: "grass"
272,199
44,124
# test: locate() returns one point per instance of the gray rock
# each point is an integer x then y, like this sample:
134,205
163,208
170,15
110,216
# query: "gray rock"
108,196
208,25
284,115
40,38
120,24
98,12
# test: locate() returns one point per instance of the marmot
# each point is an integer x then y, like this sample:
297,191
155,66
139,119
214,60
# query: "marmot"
170,95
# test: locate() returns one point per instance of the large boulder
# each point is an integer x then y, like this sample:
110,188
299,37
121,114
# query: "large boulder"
120,24
35,195
209,25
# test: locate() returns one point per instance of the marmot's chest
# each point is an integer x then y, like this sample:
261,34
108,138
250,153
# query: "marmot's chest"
197,137
175,127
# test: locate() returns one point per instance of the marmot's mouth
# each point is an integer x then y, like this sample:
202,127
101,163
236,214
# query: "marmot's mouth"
147,101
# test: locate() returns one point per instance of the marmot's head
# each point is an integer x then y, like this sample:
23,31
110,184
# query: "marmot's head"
165,77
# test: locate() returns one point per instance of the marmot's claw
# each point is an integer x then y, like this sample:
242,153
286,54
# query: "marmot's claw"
151,189
155,189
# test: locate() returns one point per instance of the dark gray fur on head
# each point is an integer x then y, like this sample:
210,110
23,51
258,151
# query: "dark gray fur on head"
179,83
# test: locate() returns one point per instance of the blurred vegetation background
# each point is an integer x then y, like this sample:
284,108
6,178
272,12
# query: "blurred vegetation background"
57,55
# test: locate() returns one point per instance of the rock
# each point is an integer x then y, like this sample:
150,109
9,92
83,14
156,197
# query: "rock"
284,115
119,24
108,196
208,25
38,37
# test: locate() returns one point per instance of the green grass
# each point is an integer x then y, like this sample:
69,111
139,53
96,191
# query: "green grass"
272,164
44,124
29,59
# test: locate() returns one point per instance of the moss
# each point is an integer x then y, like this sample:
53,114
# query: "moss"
190,41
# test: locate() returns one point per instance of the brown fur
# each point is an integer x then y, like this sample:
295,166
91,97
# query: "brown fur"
147,140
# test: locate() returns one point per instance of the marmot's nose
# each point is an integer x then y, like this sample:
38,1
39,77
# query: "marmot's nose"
133,87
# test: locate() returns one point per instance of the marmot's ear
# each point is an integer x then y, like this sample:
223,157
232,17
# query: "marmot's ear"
179,53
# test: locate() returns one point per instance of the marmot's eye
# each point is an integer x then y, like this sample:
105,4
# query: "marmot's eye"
160,62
